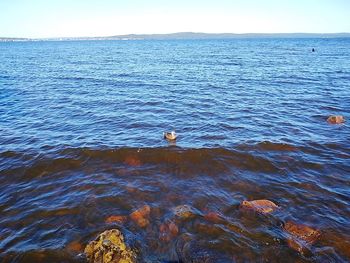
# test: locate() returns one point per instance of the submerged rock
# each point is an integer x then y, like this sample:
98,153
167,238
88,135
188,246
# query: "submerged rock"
116,219
167,231
339,241
109,247
301,236
208,229
188,250
191,250
184,211
75,246
213,217
335,119
141,216
262,206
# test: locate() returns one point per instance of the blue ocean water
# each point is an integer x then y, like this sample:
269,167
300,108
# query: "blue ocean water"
81,124
214,93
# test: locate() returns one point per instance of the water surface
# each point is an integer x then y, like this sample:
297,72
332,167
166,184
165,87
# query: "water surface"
81,126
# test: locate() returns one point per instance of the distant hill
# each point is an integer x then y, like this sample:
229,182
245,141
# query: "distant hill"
11,39
191,35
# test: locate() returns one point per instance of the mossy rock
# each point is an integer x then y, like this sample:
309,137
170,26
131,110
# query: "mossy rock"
109,247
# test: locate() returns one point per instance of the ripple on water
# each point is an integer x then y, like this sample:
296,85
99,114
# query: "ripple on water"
81,144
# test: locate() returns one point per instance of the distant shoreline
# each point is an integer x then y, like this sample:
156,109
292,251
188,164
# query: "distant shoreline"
185,35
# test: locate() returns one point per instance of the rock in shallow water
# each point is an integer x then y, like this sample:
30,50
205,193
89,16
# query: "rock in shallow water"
184,211
191,250
261,206
116,219
141,216
335,119
214,217
109,247
301,236
75,246
167,231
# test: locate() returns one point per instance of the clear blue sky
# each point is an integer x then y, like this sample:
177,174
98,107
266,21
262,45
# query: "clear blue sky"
64,18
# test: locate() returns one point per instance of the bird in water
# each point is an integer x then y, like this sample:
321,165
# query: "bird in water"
171,136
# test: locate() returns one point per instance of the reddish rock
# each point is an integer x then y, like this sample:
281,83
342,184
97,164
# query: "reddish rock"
164,234
213,217
163,227
334,119
302,232
132,161
167,231
340,242
141,216
301,236
261,206
142,222
298,245
75,246
116,219
174,230
144,211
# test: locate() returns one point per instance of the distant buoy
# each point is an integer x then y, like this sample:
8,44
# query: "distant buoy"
313,50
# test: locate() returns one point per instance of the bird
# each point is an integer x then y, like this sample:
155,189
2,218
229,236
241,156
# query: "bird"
171,136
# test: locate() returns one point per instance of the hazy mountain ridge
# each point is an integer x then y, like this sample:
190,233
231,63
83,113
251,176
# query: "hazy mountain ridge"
11,39
191,35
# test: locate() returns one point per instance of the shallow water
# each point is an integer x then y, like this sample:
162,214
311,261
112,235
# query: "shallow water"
81,140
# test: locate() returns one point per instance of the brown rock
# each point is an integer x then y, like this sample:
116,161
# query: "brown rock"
75,246
183,211
174,230
116,219
141,215
341,242
142,222
297,245
303,232
163,227
141,212
164,234
335,119
167,231
301,236
213,217
261,206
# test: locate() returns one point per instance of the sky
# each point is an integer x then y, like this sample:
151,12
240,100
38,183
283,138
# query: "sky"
79,18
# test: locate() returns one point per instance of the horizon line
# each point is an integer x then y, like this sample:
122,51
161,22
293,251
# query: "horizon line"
173,33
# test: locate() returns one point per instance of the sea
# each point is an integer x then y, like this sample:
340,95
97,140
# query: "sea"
82,148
